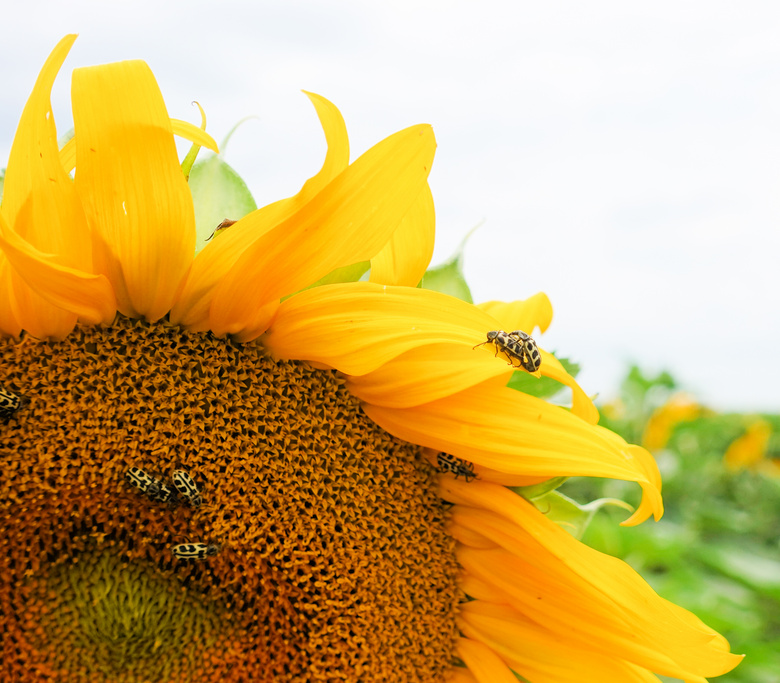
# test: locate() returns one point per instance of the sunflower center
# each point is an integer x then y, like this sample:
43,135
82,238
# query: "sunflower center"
332,560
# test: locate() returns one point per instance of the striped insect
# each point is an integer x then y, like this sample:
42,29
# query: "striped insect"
194,551
518,346
153,488
10,403
457,466
187,488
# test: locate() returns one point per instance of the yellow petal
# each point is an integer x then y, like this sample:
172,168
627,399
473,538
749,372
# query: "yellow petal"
582,405
189,131
128,176
483,662
39,201
644,461
525,314
563,603
425,374
45,233
38,316
539,654
513,523
9,322
404,259
337,156
348,221
512,432
461,675
218,257
183,129
88,296
359,326
68,155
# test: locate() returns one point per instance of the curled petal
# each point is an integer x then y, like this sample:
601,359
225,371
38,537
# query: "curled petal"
189,131
337,156
137,200
582,405
44,232
348,221
218,257
525,314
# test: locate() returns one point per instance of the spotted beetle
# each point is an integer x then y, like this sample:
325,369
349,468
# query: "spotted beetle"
155,489
160,492
194,551
518,346
187,488
140,479
10,403
457,466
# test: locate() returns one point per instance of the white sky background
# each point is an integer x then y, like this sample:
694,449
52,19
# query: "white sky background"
623,155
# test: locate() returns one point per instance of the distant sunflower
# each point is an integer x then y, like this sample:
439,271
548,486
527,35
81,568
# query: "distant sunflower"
310,419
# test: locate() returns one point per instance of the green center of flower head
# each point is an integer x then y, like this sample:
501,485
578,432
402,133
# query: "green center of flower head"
333,558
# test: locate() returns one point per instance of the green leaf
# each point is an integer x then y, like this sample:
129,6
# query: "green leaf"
570,366
448,278
570,515
218,192
756,569
351,273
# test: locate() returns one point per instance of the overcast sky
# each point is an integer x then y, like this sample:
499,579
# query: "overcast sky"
623,156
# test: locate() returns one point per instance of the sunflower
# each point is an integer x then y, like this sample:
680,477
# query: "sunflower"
661,424
244,465
751,450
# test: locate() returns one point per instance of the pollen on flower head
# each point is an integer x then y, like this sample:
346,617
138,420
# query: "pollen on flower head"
333,555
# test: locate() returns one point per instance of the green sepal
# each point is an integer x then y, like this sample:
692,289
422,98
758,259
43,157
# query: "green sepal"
218,192
189,160
570,515
351,273
448,278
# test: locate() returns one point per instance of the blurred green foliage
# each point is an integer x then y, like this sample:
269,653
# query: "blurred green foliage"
716,551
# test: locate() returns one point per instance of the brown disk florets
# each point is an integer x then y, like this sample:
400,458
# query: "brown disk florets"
333,562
